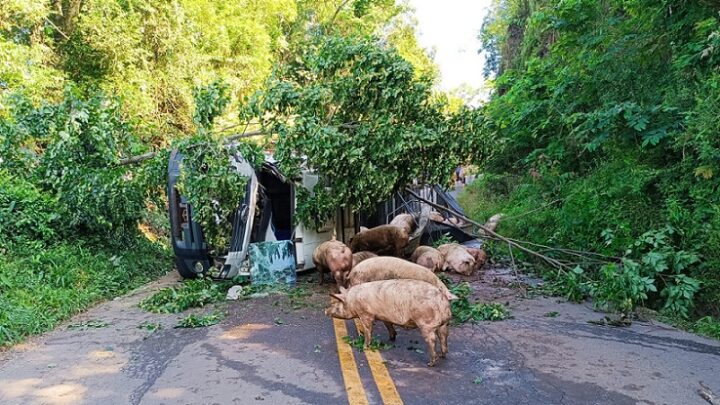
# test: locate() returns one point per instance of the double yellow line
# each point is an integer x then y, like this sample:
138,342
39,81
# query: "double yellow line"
351,376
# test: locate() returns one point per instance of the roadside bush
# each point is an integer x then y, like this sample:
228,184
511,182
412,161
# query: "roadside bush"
26,214
39,288
611,210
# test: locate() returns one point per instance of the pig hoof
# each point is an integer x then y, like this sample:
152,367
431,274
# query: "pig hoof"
392,338
432,363
442,355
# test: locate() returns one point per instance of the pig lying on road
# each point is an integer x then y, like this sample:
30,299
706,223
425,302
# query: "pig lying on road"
428,257
361,256
406,303
479,255
457,258
390,268
383,240
335,257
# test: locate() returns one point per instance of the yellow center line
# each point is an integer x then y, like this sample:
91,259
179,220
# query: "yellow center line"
385,384
351,376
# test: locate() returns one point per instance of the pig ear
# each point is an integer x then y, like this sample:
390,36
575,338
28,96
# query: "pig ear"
338,297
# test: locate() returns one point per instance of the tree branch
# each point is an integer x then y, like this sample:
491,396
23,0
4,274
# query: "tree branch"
150,155
337,11
549,260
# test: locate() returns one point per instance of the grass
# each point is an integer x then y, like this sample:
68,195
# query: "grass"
41,286
706,326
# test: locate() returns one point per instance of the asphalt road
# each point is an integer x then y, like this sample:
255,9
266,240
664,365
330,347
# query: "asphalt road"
268,351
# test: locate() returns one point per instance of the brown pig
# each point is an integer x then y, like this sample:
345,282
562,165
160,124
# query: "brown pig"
457,258
479,255
390,268
383,240
360,256
406,303
428,257
405,221
335,257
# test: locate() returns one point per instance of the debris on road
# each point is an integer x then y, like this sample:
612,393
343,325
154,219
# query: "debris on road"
199,321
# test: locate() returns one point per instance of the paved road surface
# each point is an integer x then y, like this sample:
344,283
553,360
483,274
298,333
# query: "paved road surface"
266,352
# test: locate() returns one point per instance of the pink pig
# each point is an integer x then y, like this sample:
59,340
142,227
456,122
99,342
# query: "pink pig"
406,303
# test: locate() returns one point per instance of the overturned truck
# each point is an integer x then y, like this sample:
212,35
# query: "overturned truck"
267,213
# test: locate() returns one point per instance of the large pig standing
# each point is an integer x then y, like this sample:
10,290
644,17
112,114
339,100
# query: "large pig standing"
428,257
361,256
335,257
406,303
383,240
457,258
390,268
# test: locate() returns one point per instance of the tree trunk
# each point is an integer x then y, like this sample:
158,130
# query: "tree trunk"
66,14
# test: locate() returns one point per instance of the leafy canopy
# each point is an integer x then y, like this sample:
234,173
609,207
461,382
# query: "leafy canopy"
353,111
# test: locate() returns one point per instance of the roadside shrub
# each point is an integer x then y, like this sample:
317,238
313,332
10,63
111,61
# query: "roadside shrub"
26,214
39,288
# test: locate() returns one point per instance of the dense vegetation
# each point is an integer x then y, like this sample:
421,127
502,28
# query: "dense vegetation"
85,84
601,134
605,133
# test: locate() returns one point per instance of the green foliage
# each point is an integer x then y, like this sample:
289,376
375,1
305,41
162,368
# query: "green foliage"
200,321
213,187
707,326
605,124
41,287
621,288
464,311
210,102
444,239
91,324
192,294
150,326
211,184
82,89
352,110
26,214
571,285
81,140
376,344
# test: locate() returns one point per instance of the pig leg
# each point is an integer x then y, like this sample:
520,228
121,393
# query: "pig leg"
443,335
391,330
367,324
430,340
